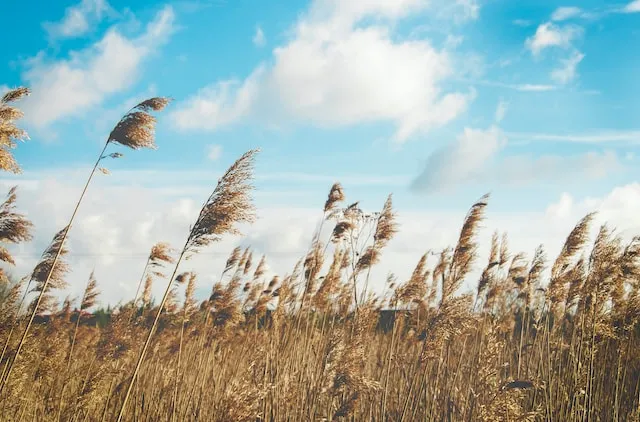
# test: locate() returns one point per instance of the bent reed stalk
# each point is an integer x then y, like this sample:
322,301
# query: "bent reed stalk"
135,130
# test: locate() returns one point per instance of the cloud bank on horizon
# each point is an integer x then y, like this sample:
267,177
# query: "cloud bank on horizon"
436,101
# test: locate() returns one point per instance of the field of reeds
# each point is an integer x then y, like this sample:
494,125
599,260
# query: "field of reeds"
316,344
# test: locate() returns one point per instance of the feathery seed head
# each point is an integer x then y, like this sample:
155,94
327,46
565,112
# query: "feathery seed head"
136,129
9,132
261,268
15,95
91,293
336,194
161,252
232,260
229,204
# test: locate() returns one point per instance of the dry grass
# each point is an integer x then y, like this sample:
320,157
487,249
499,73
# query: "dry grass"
315,344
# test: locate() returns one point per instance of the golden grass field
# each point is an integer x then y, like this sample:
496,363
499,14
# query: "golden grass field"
315,344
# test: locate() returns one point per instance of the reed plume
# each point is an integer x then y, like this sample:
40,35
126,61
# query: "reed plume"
9,132
229,204
386,227
14,227
91,293
415,289
45,275
465,251
336,195
160,254
135,130
575,242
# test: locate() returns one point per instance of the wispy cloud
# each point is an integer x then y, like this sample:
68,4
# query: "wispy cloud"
347,179
460,161
527,168
524,87
259,40
567,72
501,110
78,19
68,87
214,152
633,7
551,35
565,13
631,136
470,10
524,23
480,156
218,105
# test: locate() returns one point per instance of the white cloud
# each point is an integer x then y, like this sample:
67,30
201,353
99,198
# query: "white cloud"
534,88
470,10
523,87
561,209
220,104
69,87
565,13
340,13
121,219
349,179
526,169
366,77
522,23
461,161
259,39
501,110
633,7
115,240
550,35
78,19
631,136
214,152
618,208
473,159
568,71
335,71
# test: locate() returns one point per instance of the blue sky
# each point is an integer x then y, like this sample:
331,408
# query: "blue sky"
434,101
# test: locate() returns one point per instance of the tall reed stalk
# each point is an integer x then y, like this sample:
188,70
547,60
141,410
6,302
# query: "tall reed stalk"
229,204
135,130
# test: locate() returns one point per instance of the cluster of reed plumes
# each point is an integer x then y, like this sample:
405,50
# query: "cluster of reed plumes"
317,343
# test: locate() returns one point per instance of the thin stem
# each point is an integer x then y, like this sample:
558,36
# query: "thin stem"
5,380
144,273
143,352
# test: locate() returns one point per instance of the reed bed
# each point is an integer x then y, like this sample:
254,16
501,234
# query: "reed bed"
317,344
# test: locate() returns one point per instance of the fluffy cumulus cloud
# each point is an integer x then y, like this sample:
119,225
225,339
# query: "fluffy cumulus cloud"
618,209
339,69
568,70
551,35
69,87
78,19
118,224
